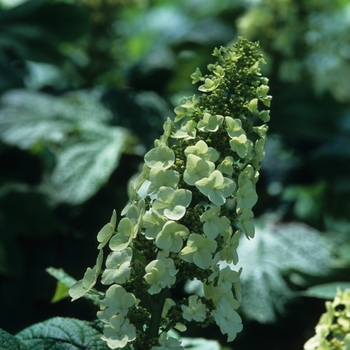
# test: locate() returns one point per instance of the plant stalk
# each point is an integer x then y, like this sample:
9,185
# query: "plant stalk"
158,301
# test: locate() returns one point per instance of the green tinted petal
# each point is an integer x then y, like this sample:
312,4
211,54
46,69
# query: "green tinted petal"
124,235
197,169
210,122
216,187
234,127
196,76
160,156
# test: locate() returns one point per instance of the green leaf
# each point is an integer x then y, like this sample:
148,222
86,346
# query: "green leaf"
28,117
61,292
325,291
277,250
199,344
61,333
94,160
74,126
195,343
10,342
36,29
65,281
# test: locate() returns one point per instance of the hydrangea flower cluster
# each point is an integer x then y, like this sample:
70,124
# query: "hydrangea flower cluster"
333,328
187,209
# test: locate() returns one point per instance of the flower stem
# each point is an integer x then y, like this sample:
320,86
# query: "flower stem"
158,301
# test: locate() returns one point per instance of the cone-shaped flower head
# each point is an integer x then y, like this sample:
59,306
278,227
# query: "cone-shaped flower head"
188,207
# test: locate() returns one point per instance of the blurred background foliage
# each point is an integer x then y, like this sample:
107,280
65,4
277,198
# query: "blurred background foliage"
85,86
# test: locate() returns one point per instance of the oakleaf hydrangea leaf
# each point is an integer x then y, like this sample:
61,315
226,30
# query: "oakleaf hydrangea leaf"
74,127
325,290
28,117
277,250
94,159
10,342
200,344
61,292
64,282
61,333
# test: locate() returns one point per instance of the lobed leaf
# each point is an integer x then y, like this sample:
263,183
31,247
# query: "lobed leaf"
84,167
277,250
61,333
325,291
74,126
28,117
10,342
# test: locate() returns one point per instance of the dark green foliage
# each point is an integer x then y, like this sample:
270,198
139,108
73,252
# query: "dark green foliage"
281,259
326,291
9,342
83,97
34,31
62,334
